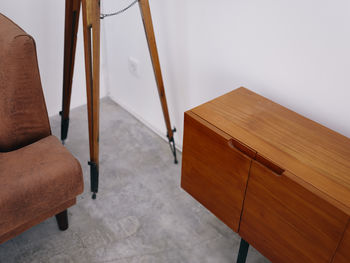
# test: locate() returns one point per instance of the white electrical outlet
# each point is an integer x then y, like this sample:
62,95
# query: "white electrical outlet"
134,67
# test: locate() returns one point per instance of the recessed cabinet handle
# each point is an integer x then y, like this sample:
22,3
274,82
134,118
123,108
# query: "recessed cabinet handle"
246,150
269,164
237,145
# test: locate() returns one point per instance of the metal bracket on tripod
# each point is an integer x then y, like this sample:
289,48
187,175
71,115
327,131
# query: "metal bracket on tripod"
64,127
94,178
172,145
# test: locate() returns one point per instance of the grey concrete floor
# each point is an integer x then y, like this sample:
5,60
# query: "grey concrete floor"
140,215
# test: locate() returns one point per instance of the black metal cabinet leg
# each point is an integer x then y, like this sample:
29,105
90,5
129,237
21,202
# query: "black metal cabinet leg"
243,251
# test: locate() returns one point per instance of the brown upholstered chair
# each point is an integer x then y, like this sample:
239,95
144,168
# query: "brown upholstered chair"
39,177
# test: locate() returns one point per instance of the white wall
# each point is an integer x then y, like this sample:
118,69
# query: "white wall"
125,38
296,53
44,20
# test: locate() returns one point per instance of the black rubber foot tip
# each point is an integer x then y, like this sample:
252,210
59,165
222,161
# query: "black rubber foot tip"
176,162
93,196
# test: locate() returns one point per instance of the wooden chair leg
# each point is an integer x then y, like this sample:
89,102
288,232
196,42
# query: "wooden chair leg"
91,27
152,45
62,220
70,43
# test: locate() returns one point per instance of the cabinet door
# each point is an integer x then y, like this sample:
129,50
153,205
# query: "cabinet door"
214,169
343,252
286,222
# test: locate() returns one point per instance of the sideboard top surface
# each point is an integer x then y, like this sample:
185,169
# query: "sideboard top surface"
312,154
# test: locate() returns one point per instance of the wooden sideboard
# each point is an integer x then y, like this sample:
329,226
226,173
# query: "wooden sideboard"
275,177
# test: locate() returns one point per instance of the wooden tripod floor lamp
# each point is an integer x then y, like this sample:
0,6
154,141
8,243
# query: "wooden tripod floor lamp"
91,28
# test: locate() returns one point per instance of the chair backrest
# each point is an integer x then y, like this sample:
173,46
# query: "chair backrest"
23,114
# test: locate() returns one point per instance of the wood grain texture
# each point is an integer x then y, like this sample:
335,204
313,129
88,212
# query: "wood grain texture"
286,222
318,156
70,42
152,45
214,170
343,252
91,29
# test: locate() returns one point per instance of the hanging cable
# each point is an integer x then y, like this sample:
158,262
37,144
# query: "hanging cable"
102,16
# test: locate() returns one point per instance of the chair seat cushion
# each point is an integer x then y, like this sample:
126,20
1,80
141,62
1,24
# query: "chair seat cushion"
34,179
